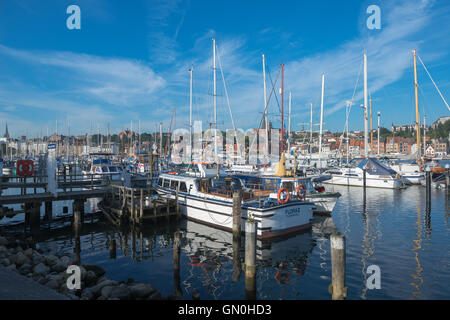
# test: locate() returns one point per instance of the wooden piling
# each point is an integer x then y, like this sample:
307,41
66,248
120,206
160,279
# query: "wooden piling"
141,206
364,179
428,185
176,199
237,214
447,177
236,258
250,260
35,217
176,264
133,213
337,288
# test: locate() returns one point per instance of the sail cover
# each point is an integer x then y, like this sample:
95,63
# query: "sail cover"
375,167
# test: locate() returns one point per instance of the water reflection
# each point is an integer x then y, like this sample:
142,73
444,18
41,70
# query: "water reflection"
417,277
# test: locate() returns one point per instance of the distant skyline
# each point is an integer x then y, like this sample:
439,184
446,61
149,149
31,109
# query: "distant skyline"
131,62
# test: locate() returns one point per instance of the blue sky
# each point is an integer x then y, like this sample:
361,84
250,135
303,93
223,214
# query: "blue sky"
131,61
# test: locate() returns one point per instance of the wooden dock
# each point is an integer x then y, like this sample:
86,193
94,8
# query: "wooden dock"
123,205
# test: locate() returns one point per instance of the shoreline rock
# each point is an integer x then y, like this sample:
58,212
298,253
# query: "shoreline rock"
21,256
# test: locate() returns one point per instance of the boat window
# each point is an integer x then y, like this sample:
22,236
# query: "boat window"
183,187
112,169
104,169
166,183
98,169
270,184
160,182
173,184
288,185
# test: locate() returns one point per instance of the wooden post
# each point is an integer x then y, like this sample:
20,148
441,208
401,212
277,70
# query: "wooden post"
124,195
176,264
48,211
133,213
76,209
337,288
364,179
176,198
250,259
236,258
237,214
35,217
428,186
65,178
141,206
447,177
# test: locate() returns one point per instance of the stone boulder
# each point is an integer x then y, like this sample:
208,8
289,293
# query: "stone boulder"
41,269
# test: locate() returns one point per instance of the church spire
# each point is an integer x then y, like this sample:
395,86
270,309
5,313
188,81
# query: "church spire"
6,135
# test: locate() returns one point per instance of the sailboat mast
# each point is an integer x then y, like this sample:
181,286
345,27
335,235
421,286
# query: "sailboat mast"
311,130
417,104
266,118
282,108
366,142
139,135
215,99
371,128
321,116
190,111
289,122
424,134
378,135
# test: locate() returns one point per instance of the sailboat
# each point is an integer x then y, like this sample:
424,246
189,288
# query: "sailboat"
378,175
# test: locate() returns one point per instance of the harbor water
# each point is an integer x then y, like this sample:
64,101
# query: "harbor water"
392,229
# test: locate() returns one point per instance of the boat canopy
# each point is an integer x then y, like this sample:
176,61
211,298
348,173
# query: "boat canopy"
101,161
375,167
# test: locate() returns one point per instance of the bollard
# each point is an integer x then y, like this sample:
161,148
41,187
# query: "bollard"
176,264
337,288
237,214
250,259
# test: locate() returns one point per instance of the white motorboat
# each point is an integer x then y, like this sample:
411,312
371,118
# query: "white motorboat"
411,173
378,175
209,200
104,168
324,201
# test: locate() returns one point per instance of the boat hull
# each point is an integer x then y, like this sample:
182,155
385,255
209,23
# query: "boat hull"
388,183
271,222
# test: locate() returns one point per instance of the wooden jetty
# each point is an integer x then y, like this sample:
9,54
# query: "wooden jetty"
123,205
34,192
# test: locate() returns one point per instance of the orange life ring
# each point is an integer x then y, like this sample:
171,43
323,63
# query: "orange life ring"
25,167
303,194
284,190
